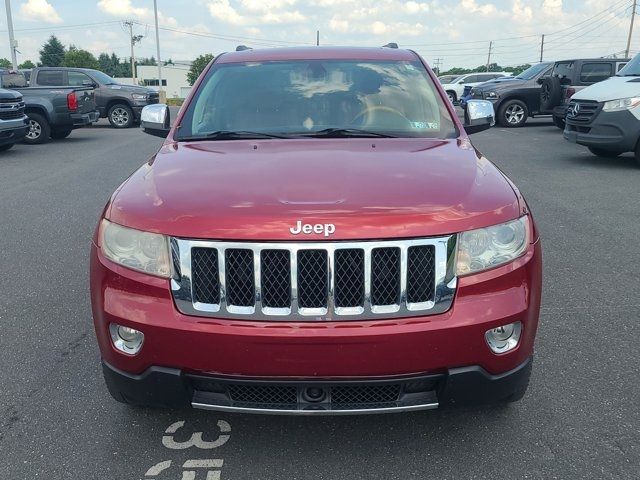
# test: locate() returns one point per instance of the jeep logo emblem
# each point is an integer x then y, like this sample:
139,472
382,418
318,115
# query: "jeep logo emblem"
319,228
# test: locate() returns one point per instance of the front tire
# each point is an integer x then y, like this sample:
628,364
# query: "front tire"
60,134
601,152
120,116
453,98
559,122
513,114
39,130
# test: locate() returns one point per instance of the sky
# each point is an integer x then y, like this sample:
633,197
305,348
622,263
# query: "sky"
448,32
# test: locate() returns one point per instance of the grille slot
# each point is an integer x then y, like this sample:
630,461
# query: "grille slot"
239,277
385,276
204,272
313,280
275,282
420,274
266,394
349,277
365,394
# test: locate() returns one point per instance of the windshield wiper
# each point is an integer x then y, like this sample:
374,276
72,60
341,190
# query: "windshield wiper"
346,132
231,135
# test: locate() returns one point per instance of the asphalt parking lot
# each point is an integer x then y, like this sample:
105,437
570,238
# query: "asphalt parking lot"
579,419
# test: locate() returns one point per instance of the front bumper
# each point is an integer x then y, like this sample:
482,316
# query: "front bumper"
84,119
615,131
167,387
13,131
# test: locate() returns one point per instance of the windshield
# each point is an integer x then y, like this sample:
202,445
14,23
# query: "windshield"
103,78
298,98
445,79
631,69
533,71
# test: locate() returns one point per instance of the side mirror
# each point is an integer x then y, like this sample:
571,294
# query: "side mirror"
478,116
154,120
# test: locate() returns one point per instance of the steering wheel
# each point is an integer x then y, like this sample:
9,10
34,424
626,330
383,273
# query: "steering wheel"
379,108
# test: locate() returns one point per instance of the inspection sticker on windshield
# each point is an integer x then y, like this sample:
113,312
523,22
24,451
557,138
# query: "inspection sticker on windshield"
426,125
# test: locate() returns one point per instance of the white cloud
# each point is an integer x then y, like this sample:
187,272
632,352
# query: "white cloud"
254,12
122,8
39,10
338,24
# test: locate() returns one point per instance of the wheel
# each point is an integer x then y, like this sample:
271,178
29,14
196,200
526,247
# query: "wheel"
550,93
39,129
57,134
120,116
559,122
452,96
601,152
4,148
513,114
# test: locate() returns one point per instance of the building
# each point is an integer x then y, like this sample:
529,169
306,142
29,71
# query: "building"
174,78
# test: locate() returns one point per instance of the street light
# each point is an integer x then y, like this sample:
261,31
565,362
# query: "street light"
163,97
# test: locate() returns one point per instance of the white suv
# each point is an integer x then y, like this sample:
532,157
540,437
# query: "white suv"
455,89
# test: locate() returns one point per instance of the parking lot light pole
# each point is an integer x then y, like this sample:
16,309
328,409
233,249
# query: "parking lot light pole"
12,40
161,92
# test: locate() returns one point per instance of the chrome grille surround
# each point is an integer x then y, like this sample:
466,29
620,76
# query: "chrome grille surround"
444,288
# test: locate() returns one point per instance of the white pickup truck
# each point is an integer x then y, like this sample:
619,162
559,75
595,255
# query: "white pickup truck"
605,117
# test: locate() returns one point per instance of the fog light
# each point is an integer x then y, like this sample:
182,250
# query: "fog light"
504,338
126,339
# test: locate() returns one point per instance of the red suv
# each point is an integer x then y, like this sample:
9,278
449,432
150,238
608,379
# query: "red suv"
316,235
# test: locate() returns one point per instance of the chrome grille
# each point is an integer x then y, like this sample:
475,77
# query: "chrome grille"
12,110
586,111
313,281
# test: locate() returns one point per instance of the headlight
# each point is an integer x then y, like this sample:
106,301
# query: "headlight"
490,95
489,247
621,104
138,96
143,251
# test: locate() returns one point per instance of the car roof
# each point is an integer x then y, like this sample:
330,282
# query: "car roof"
317,53
594,60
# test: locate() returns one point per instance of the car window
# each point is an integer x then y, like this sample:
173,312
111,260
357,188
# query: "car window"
301,97
563,69
471,79
595,72
78,79
50,78
620,66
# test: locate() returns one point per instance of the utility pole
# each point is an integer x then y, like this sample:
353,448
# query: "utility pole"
542,48
161,92
134,39
633,17
12,40
437,62
317,38
489,56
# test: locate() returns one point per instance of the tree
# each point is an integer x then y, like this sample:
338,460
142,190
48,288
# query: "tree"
27,64
80,59
146,61
5,63
52,53
198,65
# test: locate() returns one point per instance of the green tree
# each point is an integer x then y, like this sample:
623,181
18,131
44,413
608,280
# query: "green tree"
146,61
52,53
27,64
198,65
5,63
80,59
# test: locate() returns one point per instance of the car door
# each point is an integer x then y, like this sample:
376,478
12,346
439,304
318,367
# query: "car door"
86,97
531,90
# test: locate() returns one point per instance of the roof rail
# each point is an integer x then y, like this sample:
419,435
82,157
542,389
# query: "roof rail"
390,45
242,48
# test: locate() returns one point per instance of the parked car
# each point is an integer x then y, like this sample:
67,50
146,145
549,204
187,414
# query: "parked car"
358,257
13,121
447,78
605,117
456,87
571,76
121,104
53,111
514,99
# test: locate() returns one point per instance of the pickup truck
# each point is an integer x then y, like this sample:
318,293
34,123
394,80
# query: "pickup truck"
121,104
605,117
13,121
316,235
53,111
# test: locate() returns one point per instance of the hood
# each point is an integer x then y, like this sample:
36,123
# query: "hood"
131,88
501,84
610,89
369,189
9,94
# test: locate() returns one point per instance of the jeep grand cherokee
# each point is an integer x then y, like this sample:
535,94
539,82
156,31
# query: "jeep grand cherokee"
316,235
